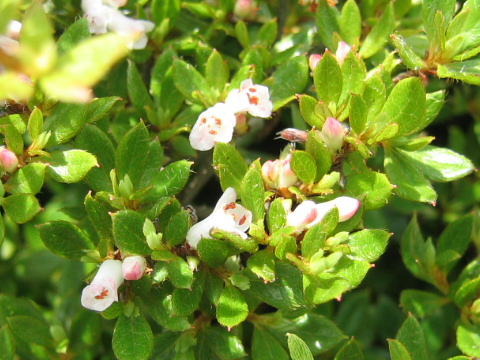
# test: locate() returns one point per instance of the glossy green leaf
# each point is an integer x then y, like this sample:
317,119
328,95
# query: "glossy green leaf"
349,351
411,336
368,244
137,91
262,264
177,228
371,187
284,84
328,79
353,73
213,252
410,59
132,338
225,344
467,71
230,165
28,179
315,236
128,232
421,303
35,123
191,83
298,348
468,338
253,192
31,330
358,114
350,22
276,218
307,105
7,343
69,166
216,71
327,19
318,150
74,34
185,301
232,308
430,8
378,35
304,166
397,350
180,274
21,207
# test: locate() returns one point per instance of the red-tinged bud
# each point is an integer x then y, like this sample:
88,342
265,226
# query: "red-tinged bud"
8,160
133,267
278,174
287,177
342,51
313,61
245,9
332,134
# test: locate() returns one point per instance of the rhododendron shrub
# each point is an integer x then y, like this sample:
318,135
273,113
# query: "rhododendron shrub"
239,179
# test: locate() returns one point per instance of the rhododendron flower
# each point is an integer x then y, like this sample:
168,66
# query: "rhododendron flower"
278,174
332,134
102,291
215,124
133,267
254,99
308,213
102,17
8,160
227,216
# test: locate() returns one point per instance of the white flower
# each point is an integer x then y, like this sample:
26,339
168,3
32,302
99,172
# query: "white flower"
215,124
278,174
227,216
133,267
102,18
308,213
254,99
102,291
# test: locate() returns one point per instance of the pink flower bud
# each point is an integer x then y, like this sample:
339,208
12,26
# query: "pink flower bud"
102,291
287,177
304,215
332,134
347,207
342,51
313,61
245,9
269,173
8,160
133,267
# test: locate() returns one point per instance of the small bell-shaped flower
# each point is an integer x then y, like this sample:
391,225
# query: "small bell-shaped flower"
227,216
342,51
332,134
308,213
8,160
254,99
278,174
133,267
102,291
215,124
313,61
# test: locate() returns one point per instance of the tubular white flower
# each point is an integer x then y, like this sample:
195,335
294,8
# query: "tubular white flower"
308,213
254,99
215,124
133,267
278,174
102,291
227,216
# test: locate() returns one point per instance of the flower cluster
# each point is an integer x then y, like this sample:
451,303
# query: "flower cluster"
216,124
227,216
104,16
309,213
102,291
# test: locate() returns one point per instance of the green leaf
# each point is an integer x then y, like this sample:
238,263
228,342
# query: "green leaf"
267,33
378,35
276,216
128,232
265,346
304,166
327,19
411,184
253,192
35,123
350,22
191,83
7,343
262,264
298,348
97,143
225,344
131,156
132,338
397,350
137,92
232,308
165,9
421,303
180,274
439,164
241,33
28,179
37,31
410,59
231,166
75,33
328,79
411,336
213,252
467,71
430,8
65,239
467,292
31,330
21,207
69,166
307,105
468,338
368,244
284,84
354,73
349,351
99,217
185,301
85,330
177,228
83,66
323,159
13,139
216,71
456,236
374,186
315,236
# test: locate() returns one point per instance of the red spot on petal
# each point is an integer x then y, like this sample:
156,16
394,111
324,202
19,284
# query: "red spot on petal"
218,121
203,120
252,99
229,206
102,295
252,89
242,220
212,132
